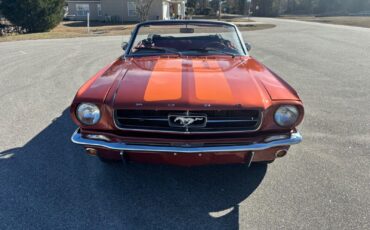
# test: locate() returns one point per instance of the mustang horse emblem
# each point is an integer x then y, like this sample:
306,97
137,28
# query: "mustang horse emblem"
186,121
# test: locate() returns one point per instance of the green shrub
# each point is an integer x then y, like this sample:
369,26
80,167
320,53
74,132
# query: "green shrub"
33,15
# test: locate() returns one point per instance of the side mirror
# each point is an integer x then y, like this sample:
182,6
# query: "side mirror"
248,46
124,45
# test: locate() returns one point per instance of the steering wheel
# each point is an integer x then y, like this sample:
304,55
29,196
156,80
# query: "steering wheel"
215,45
147,42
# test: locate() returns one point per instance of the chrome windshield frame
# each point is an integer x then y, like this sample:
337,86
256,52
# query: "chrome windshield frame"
134,33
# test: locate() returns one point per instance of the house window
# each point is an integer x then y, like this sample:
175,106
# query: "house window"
131,6
82,9
98,6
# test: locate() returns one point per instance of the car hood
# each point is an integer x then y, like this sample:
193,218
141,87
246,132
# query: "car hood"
212,82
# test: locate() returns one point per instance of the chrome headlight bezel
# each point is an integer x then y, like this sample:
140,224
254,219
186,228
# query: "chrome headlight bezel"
88,113
286,115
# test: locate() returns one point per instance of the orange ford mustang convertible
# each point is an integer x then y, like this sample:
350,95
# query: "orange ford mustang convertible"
187,93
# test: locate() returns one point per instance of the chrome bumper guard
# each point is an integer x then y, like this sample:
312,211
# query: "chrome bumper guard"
77,138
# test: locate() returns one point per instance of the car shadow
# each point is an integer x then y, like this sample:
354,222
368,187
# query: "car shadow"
51,183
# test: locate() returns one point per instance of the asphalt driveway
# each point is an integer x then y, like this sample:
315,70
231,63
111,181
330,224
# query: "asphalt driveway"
46,182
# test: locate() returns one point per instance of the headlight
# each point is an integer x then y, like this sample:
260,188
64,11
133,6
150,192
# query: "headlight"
88,114
286,115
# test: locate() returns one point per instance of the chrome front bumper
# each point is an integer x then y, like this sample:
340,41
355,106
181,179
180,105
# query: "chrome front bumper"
77,138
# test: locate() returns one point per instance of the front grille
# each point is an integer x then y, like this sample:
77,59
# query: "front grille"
217,120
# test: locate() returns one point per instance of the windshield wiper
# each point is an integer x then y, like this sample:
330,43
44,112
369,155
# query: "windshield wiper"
206,50
167,50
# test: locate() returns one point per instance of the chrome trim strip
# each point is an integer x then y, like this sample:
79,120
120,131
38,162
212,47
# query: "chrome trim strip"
162,119
228,121
143,119
251,158
77,138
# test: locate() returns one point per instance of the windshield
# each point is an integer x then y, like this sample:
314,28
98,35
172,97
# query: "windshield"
186,38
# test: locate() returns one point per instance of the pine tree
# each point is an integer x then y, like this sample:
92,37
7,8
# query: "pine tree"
33,15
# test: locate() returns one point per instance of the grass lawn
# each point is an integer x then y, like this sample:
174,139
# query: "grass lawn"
71,29
359,21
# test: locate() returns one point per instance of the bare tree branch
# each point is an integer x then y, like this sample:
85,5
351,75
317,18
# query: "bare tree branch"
142,9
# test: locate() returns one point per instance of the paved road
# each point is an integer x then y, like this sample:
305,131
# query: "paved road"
324,183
